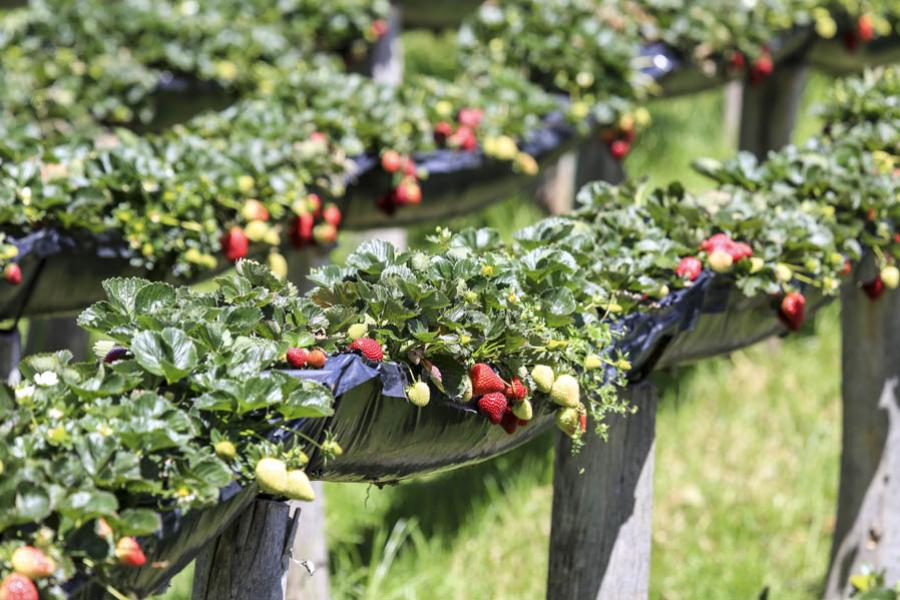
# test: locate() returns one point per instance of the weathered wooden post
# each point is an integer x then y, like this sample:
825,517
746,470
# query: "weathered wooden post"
867,531
602,509
309,573
249,559
769,108
57,333
10,351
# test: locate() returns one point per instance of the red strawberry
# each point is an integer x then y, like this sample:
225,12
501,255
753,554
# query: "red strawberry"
316,359
791,310
17,587
582,422
516,390
409,192
325,233
509,422
388,203
848,266
129,552
713,242
493,406
379,28
318,136
522,422
485,380
442,130
463,139
391,161
470,117
740,251
874,288
302,229
409,166
370,348
619,149
297,357
332,214
689,268
235,244
737,60
12,274
864,28
761,68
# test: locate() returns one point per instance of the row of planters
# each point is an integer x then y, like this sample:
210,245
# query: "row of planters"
404,363
291,162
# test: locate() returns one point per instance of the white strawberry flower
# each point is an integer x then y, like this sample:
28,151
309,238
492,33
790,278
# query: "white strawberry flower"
24,392
46,379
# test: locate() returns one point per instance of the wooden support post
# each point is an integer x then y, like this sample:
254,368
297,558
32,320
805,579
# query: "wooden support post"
308,577
250,558
602,509
731,117
867,531
769,108
387,54
57,333
595,163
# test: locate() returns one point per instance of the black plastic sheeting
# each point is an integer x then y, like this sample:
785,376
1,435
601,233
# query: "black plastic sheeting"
386,439
833,56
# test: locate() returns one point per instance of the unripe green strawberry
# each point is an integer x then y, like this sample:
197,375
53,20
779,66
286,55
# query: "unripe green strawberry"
592,361
271,475
419,393
523,410
543,377
467,389
756,264
890,275
298,486
357,330
783,273
565,391
720,261
332,447
569,421
225,450
1,467
57,435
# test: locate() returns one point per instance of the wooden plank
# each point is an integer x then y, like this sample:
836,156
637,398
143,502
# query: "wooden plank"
769,108
250,558
308,576
602,509
867,531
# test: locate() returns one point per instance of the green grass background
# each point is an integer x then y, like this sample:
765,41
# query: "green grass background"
746,467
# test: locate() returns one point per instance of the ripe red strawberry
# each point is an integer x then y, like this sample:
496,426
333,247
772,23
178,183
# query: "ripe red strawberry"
325,233
370,348
470,117
619,149
388,203
316,359
874,288
493,406
379,28
582,422
391,161
17,587
129,552
442,130
791,310
720,241
318,136
463,139
297,357
509,422
516,390
864,28
485,380
739,251
409,192
689,268
302,229
235,244
848,266
12,273
737,60
115,354
409,166
761,68
332,214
